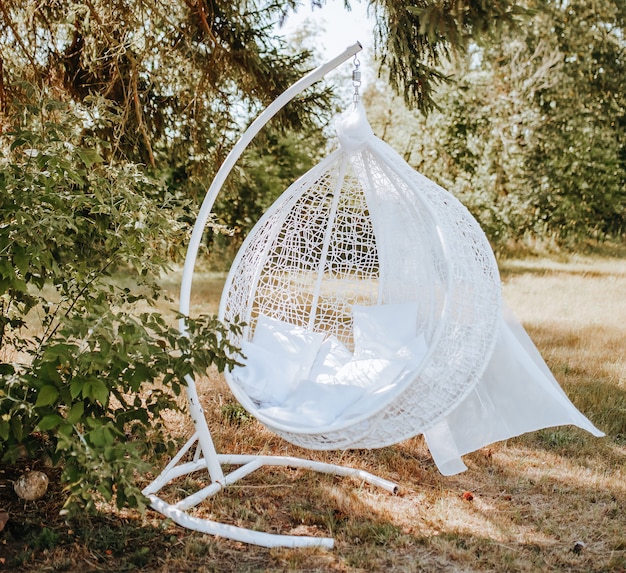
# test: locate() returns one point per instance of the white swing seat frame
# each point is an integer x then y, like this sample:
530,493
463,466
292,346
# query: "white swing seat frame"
206,458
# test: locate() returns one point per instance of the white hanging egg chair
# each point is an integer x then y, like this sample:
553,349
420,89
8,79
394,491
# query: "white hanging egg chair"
372,300
373,313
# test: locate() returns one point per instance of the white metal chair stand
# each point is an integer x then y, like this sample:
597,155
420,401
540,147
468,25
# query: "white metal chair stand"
206,459
372,307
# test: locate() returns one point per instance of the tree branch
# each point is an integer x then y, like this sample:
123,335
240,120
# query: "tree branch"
138,111
3,98
134,84
18,38
203,20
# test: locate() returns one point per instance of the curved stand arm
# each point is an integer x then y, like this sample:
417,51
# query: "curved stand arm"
229,163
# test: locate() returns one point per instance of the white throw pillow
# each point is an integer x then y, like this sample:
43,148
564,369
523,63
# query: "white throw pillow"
265,378
288,342
380,331
369,373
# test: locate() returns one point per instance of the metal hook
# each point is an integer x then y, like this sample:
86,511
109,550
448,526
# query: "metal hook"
356,80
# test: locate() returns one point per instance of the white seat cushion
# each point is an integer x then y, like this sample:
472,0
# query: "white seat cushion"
299,379
312,404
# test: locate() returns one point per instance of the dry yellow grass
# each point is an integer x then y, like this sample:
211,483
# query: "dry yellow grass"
553,500
550,500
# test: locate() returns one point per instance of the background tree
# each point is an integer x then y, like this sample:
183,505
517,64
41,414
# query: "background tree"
576,164
530,131
415,38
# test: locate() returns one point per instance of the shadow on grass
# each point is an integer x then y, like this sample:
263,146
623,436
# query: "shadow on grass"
524,516
533,499
510,269
562,499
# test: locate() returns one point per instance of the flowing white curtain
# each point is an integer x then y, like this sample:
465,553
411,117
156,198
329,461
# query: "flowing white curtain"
516,394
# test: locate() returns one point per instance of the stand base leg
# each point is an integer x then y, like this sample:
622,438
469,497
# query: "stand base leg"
248,463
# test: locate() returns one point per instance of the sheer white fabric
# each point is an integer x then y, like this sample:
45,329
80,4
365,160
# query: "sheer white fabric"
368,256
516,394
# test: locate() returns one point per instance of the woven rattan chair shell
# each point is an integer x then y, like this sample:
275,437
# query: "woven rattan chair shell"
364,228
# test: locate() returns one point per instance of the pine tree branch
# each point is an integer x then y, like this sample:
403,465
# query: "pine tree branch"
18,38
134,84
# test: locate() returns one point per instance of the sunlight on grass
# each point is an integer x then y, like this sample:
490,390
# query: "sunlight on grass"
523,504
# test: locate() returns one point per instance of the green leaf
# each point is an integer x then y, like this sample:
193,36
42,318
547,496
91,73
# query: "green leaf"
18,141
4,430
76,387
65,429
89,156
138,375
21,259
49,422
99,437
96,390
76,413
17,428
46,396
6,369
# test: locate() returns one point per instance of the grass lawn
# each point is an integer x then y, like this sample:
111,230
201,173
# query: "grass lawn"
553,500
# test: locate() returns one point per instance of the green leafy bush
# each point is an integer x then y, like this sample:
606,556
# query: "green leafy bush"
86,364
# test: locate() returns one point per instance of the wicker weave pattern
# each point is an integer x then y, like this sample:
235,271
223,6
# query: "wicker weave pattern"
364,228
